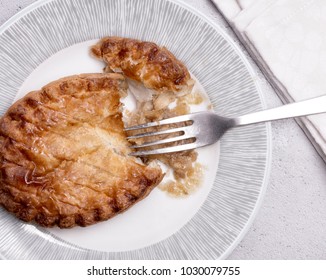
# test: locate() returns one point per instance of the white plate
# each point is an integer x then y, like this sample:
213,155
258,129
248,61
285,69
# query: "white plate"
50,39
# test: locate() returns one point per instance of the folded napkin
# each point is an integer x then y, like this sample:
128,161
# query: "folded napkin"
287,39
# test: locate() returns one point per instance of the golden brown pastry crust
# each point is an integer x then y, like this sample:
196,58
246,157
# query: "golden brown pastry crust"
145,62
64,156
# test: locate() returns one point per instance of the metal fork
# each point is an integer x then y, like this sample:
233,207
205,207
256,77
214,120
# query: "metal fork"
206,128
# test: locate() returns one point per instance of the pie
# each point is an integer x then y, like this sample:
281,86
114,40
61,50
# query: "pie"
64,155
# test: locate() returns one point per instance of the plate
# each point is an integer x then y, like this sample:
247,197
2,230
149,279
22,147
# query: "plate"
51,39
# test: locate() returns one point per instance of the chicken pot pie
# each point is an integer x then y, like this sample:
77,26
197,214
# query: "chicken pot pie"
64,157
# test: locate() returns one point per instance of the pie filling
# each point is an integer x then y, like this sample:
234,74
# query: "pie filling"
163,88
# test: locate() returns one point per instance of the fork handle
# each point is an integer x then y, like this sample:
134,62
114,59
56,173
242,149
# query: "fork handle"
298,109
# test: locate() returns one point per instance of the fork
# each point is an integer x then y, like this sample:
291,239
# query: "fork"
206,128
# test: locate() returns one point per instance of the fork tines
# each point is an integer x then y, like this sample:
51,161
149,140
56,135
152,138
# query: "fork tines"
161,133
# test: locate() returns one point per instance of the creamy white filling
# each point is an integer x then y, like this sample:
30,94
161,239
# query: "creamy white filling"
139,91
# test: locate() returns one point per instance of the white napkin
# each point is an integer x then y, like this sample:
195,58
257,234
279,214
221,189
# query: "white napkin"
287,39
